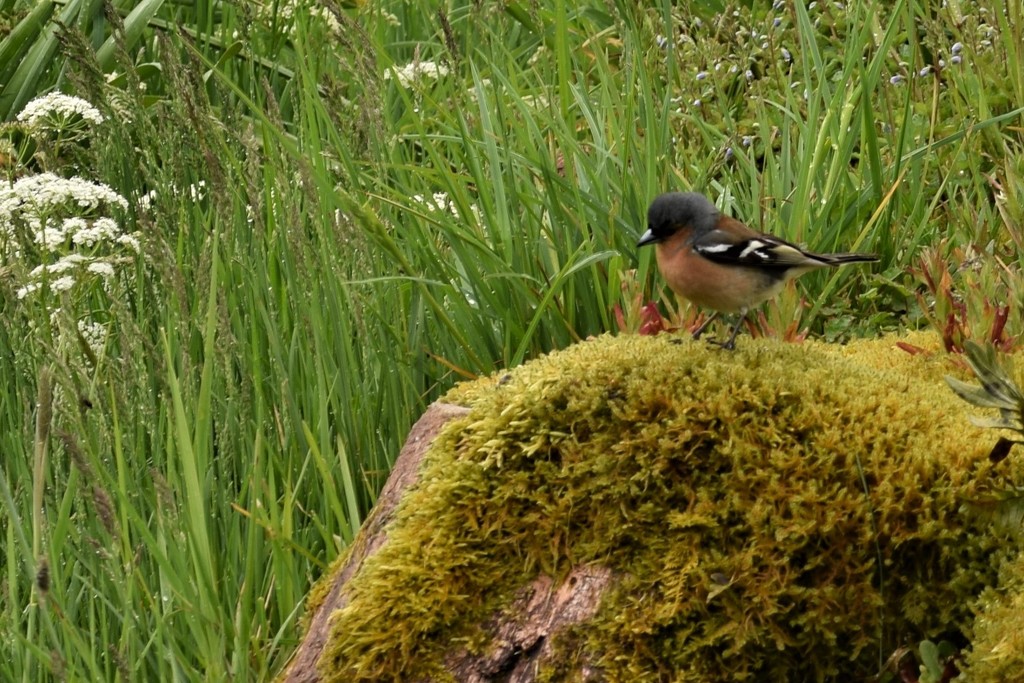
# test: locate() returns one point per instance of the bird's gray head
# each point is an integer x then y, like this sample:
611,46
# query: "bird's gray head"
674,210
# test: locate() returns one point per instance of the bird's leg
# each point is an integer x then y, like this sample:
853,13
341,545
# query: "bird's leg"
730,343
704,325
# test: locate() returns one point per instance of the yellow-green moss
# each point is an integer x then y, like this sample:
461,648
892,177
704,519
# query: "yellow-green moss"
727,490
322,588
997,648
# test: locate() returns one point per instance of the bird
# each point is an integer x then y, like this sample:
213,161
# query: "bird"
719,263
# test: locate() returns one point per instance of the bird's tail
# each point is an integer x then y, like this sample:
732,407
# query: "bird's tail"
840,259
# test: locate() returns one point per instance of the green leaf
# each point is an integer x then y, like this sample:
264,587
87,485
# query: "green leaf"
978,396
134,24
996,423
37,58
930,661
997,391
19,41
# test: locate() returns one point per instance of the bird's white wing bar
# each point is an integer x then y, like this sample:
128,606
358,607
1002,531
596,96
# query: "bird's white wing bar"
722,247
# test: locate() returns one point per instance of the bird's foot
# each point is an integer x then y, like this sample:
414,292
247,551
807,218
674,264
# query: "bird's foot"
704,325
728,344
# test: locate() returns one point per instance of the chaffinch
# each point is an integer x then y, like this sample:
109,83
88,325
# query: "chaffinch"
716,262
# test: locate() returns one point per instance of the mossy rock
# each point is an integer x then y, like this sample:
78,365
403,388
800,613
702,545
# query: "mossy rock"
782,512
997,645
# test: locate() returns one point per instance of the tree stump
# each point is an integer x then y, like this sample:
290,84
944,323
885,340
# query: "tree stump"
371,537
634,508
520,637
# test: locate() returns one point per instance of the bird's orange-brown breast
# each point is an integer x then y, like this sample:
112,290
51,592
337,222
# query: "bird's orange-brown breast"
729,289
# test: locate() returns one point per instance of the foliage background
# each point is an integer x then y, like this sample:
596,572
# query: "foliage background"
357,206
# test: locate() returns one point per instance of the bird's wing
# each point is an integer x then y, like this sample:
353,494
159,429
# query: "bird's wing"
735,244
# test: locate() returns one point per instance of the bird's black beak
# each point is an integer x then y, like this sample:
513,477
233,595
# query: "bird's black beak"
648,238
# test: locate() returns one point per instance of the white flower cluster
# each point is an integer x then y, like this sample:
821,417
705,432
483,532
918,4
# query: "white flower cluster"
60,237
278,13
38,207
94,334
329,20
197,191
40,194
36,203
57,108
440,201
147,201
78,231
417,71
60,275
